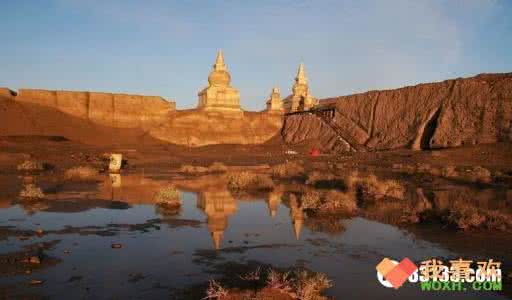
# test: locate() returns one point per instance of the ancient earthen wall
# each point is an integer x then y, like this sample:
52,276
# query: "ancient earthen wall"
92,117
434,115
6,93
114,110
198,128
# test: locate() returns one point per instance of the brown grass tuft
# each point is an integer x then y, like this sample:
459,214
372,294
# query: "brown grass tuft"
168,196
249,181
30,165
371,185
83,173
216,167
31,191
288,169
309,285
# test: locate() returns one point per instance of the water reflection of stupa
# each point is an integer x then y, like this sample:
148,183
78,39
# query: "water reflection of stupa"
297,215
218,206
273,202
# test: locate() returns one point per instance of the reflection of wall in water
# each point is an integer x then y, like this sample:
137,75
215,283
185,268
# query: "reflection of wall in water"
133,189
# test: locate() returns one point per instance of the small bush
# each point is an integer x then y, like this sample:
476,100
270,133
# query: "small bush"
339,201
332,202
449,172
81,173
311,200
217,167
288,169
371,185
480,174
215,291
298,284
468,217
188,169
168,201
168,197
279,281
31,191
248,181
309,285
30,165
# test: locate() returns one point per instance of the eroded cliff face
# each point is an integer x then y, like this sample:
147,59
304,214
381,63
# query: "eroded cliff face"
434,115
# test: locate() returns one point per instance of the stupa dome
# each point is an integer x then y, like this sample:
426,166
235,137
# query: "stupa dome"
219,77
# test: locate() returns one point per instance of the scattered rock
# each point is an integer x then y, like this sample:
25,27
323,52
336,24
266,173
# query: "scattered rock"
34,260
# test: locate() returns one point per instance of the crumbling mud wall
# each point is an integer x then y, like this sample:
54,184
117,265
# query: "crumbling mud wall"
114,110
199,128
434,115
105,118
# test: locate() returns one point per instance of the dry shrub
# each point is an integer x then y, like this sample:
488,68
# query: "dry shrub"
249,181
288,169
311,200
477,174
480,174
379,189
449,172
332,202
30,165
217,167
339,201
168,197
468,217
309,285
31,191
215,291
300,284
428,169
81,173
193,169
280,281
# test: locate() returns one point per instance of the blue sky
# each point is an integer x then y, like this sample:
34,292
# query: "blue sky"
167,47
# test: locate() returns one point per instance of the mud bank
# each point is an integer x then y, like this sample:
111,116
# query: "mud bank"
434,115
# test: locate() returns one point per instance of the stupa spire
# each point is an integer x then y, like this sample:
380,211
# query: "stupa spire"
219,62
301,75
297,228
217,239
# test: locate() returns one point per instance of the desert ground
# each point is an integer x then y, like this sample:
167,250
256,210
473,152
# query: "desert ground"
248,215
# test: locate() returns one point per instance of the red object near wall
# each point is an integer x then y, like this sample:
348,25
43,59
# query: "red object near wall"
314,152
